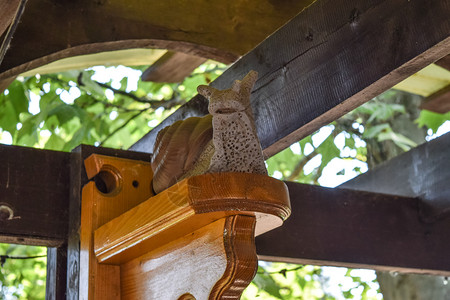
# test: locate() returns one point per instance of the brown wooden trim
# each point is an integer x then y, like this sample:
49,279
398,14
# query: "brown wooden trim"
444,62
422,172
34,185
349,228
406,231
56,273
329,59
438,102
172,67
221,30
8,9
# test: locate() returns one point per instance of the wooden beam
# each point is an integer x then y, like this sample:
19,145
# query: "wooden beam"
444,62
438,102
34,189
8,10
422,172
172,67
12,22
406,231
357,229
220,30
329,59
34,185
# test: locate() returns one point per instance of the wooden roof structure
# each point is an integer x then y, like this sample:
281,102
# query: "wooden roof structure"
326,58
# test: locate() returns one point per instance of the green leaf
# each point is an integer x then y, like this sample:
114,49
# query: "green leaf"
373,131
400,140
55,143
265,282
432,120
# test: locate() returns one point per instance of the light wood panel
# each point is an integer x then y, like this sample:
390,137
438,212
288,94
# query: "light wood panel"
215,262
188,206
121,189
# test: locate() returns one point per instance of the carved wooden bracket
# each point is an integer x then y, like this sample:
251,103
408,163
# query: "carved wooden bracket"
194,240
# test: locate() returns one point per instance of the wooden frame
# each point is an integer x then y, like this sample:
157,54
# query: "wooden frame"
310,74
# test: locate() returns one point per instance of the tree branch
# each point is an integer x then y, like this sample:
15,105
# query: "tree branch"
122,126
300,165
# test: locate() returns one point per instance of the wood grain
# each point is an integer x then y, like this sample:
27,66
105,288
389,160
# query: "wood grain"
215,262
329,59
188,206
8,10
118,194
438,102
221,30
406,229
78,179
34,185
172,67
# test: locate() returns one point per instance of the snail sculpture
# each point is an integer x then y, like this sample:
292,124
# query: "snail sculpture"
224,141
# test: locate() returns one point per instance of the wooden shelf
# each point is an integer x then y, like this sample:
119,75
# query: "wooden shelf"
188,206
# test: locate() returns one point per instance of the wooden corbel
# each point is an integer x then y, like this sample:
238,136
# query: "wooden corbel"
194,240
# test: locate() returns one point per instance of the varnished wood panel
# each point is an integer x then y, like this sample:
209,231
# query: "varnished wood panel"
208,261
188,206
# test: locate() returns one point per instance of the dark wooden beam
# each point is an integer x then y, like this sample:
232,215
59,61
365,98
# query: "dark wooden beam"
339,227
444,62
438,102
172,67
329,59
406,229
34,185
422,172
222,30
14,22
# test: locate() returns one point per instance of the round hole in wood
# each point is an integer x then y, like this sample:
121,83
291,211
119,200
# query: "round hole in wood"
186,296
108,181
135,183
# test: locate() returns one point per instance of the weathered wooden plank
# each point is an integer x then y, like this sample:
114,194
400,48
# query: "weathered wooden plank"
358,229
220,30
329,59
55,287
34,185
406,231
8,10
13,22
172,67
444,62
422,172
438,102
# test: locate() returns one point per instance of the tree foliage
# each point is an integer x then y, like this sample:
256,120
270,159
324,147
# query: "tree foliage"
60,111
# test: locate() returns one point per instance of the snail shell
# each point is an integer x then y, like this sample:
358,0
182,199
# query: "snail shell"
177,149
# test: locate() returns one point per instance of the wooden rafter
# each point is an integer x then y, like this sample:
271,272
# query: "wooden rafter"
405,231
172,67
220,30
329,59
